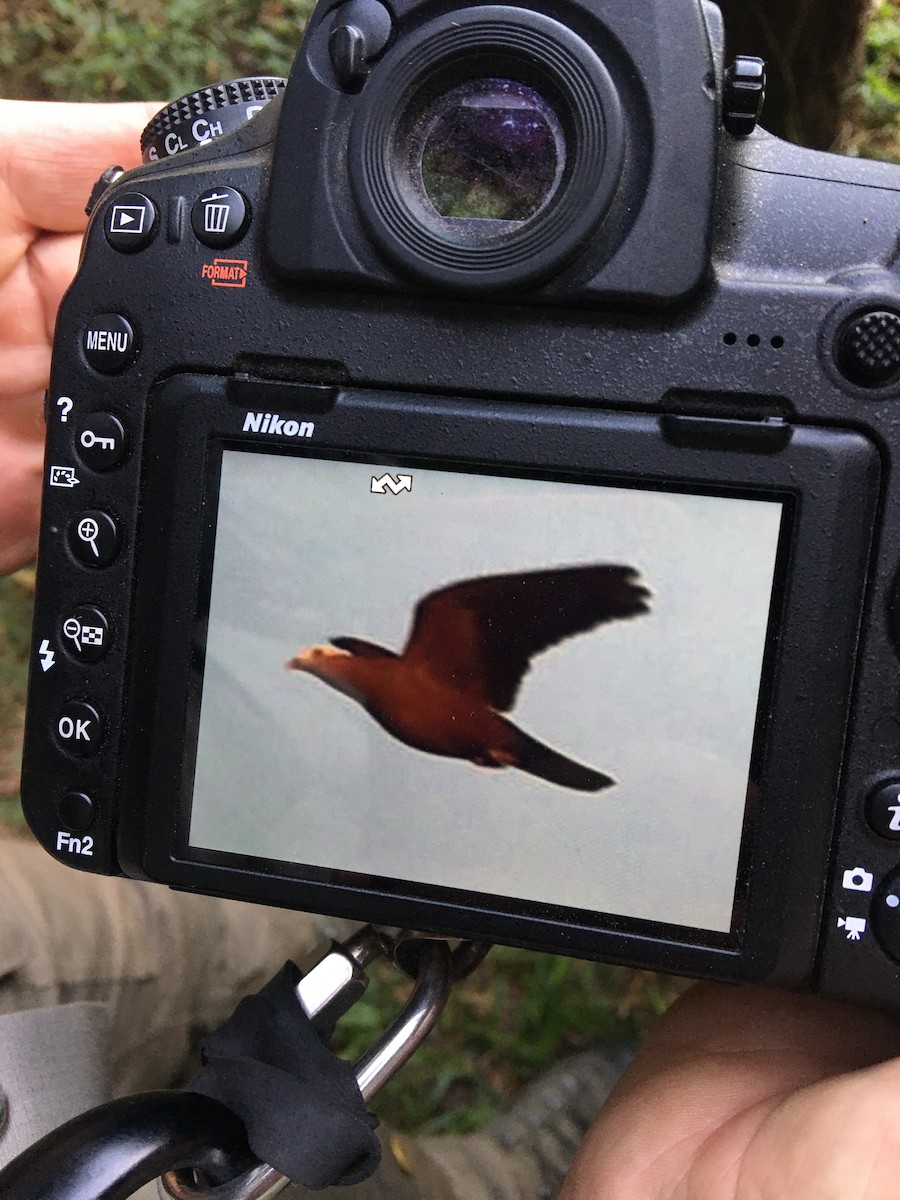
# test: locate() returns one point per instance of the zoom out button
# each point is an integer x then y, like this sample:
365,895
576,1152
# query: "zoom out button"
85,633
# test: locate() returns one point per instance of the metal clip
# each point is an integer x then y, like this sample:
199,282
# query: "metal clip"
329,990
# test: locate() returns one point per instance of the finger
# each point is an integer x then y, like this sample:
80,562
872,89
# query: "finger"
20,498
52,261
748,1020
709,1077
53,153
838,1139
30,292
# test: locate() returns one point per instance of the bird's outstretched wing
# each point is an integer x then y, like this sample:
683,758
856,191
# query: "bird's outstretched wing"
361,648
482,633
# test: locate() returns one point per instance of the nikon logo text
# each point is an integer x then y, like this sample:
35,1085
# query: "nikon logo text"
277,426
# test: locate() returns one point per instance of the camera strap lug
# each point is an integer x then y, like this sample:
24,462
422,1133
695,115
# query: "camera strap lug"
327,991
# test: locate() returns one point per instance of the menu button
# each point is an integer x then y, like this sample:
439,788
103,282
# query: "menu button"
109,343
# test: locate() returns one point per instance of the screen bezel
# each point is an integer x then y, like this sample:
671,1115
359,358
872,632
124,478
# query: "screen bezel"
191,420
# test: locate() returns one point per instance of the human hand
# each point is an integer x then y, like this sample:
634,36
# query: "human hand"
742,1093
50,156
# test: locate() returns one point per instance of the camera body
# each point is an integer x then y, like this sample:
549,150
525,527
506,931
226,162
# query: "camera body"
487,341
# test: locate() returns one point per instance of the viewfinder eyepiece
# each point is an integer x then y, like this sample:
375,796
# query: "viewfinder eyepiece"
490,150
487,149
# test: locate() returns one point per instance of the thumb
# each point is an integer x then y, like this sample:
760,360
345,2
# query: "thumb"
52,153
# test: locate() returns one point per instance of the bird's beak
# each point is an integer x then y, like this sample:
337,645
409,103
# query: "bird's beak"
312,658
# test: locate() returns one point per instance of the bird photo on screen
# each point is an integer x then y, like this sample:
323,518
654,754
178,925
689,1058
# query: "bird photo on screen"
469,648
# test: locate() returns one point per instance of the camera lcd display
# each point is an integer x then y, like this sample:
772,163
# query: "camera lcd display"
531,688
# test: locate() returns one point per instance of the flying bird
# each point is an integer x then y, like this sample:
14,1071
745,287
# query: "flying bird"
468,650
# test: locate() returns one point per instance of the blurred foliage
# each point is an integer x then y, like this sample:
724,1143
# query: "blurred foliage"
15,639
516,1016
139,49
878,127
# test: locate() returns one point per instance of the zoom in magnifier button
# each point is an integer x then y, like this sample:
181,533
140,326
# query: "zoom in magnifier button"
85,633
94,538
100,442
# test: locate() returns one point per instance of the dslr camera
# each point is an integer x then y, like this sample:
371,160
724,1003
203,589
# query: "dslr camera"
468,502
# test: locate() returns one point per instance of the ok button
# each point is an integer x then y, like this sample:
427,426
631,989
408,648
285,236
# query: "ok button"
79,728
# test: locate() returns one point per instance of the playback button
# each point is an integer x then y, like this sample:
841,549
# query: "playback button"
131,222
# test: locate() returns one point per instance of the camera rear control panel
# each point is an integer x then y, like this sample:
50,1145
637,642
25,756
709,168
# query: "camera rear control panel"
87,536
91,504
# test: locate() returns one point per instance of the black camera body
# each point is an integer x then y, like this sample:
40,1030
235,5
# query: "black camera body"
562,421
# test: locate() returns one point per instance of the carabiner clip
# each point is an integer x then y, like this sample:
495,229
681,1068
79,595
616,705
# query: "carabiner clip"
329,990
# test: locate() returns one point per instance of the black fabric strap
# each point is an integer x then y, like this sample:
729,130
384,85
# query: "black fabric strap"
301,1105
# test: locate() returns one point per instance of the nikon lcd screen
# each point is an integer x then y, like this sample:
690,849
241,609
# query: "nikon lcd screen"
633,802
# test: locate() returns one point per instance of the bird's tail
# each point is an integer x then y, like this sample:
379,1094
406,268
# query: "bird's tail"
537,759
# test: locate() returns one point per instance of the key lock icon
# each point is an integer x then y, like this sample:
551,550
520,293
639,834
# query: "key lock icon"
89,440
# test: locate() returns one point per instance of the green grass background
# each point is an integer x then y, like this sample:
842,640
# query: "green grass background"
520,1012
139,49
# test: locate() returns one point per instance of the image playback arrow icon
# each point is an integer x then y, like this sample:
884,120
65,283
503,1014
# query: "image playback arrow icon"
127,218
402,483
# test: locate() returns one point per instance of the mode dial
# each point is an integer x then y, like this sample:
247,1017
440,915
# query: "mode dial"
200,116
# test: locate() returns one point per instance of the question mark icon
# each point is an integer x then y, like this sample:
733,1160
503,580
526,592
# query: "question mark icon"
64,403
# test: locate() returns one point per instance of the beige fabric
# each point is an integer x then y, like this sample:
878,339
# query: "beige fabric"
75,1040
166,965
